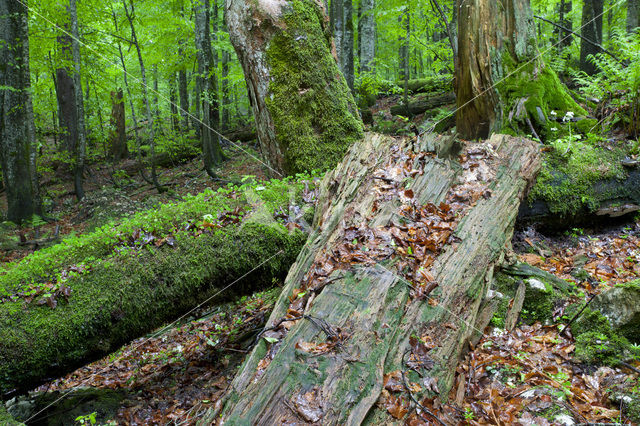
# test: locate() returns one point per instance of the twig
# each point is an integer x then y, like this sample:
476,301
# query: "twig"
593,43
415,401
629,366
578,314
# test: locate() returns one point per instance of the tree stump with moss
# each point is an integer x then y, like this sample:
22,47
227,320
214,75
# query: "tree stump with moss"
305,115
393,279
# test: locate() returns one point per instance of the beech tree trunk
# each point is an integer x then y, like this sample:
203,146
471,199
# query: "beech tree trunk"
305,115
81,146
501,80
394,278
633,17
367,35
16,131
212,152
118,137
592,30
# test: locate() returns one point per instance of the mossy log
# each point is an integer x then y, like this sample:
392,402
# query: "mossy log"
597,202
137,291
429,84
371,306
422,104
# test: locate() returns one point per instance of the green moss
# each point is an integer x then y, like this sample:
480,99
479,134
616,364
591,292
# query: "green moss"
571,172
314,114
597,343
128,292
544,91
6,419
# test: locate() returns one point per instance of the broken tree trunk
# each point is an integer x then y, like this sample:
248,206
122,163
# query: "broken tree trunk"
420,105
393,279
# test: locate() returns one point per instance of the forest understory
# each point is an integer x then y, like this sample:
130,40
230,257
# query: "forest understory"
178,373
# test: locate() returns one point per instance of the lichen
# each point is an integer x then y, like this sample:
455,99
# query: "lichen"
313,111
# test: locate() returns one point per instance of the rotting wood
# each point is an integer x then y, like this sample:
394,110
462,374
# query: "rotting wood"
392,304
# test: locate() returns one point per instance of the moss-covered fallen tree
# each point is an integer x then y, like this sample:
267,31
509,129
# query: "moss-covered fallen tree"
83,298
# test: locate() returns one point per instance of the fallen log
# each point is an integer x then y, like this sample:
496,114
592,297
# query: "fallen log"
79,300
424,103
391,283
429,84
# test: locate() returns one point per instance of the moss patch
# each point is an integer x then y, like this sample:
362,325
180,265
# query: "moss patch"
570,178
314,114
126,293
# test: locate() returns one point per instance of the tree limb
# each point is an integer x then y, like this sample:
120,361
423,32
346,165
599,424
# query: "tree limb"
599,46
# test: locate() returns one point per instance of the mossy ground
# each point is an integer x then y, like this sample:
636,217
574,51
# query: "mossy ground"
314,114
124,293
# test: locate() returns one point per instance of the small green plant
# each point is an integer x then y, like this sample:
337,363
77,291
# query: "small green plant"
87,419
468,414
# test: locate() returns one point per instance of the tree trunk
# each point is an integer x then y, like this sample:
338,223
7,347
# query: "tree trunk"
633,17
173,109
15,129
501,81
367,35
184,97
564,38
145,97
305,116
212,152
81,146
336,21
394,278
592,30
346,63
65,91
118,137
403,54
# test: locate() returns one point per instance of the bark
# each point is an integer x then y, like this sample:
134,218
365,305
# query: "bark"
564,37
65,91
592,30
501,81
173,109
212,152
403,53
367,35
336,22
118,137
305,116
419,106
372,302
184,97
145,97
633,17
347,47
39,342
16,132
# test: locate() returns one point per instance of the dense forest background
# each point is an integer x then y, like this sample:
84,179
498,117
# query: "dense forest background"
151,81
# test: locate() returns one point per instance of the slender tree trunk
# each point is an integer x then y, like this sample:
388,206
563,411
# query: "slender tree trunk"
156,103
403,53
226,92
65,91
564,38
367,35
81,147
184,97
16,133
207,95
336,20
173,109
347,48
145,97
592,30
118,145
501,80
633,15
305,115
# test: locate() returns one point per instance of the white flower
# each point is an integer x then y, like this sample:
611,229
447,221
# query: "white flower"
553,113
568,116
554,129
208,218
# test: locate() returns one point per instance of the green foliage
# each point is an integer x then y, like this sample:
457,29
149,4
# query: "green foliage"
618,82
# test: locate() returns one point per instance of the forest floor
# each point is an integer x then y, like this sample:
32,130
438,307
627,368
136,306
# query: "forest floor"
174,375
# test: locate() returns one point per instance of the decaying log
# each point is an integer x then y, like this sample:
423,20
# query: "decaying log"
423,104
394,278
